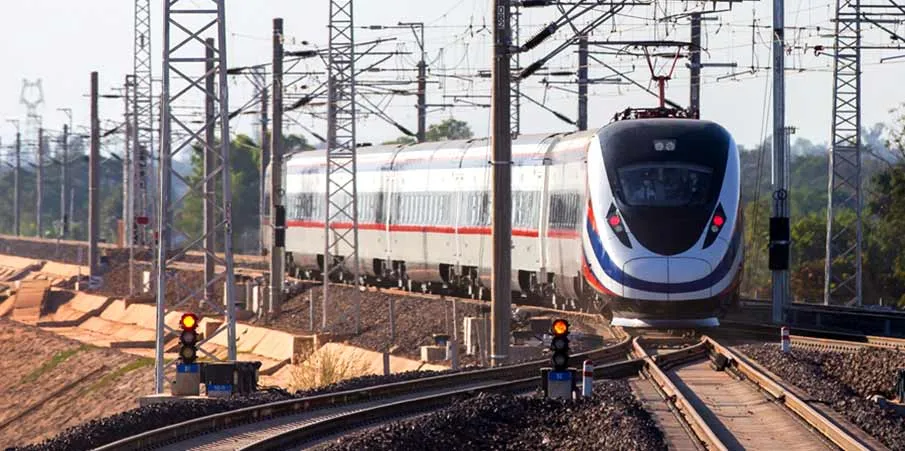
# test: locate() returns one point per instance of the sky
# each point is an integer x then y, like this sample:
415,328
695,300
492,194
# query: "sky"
61,42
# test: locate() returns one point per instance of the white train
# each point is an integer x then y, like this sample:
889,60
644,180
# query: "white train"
641,217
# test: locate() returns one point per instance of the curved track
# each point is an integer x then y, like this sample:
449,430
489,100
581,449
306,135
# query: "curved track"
257,423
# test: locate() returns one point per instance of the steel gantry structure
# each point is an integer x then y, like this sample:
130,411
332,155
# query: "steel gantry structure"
185,58
515,93
142,128
843,265
341,212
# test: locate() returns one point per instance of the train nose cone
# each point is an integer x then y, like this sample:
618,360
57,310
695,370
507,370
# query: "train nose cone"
647,271
687,276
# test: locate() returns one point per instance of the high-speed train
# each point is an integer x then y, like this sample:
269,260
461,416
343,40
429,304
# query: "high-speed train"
640,217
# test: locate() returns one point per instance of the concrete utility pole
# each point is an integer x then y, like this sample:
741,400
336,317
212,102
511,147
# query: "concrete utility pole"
422,100
17,192
128,223
277,211
265,160
209,190
779,222
64,184
93,169
583,82
501,142
39,182
695,63
422,81
17,188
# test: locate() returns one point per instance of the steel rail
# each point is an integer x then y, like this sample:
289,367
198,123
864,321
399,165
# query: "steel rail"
674,397
814,338
802,409
253,414
388,412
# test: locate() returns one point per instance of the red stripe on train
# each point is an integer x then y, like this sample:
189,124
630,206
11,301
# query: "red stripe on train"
471,230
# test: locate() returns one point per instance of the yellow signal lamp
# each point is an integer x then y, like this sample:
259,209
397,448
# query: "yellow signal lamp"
560,327
189,321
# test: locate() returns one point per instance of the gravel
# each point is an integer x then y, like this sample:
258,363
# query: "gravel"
843,381
613,419
99,432
417,319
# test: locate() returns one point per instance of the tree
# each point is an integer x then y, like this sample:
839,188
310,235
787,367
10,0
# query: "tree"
296,143
245,158
448,130
401,140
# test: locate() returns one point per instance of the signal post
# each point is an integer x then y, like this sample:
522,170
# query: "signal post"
188,373
560,381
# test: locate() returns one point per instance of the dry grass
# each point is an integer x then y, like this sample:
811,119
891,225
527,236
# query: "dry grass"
327,366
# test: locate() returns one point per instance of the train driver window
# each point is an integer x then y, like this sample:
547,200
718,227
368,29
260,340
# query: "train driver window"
665,184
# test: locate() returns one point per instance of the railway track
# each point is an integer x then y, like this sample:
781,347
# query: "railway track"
703,395
720,401
245,427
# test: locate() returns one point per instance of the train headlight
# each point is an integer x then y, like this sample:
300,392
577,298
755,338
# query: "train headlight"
615,223
668,145
716,224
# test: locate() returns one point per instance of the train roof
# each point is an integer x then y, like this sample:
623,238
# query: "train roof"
411,150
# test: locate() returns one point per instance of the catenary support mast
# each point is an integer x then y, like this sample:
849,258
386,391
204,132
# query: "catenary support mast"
187,25
501,144
277,211
779,222
341,198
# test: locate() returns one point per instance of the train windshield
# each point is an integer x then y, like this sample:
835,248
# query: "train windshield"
665,184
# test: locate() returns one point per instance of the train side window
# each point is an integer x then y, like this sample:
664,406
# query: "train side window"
395,208
360,205
564,210
435,208
554,211
420,209
378,208
485,210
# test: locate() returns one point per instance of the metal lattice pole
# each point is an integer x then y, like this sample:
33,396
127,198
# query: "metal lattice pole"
694,103
582,82
843,241
341,197
515,94
142,200
186,25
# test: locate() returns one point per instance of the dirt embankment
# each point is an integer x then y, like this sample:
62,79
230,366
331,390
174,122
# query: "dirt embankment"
51,383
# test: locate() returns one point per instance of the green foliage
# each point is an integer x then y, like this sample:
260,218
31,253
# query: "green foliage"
54,361
883,220
448,130
401,140
141,362
245,157
110,194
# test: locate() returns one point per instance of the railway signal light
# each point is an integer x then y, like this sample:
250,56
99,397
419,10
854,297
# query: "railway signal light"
188,339
560,345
